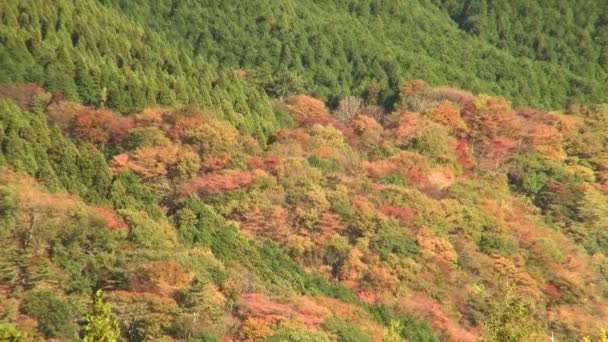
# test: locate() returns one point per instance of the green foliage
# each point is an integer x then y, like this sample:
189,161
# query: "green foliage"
86,243
434,143
53,313
324,164
510,318
147,231
102,326
298,335
550,185
197,300
336,252
569,35
492,242
136,68
345,210
345,331
409,327
145,137
7,202
393,333
48,155
9,333
392,239
334,49
127,192
396,178
196,223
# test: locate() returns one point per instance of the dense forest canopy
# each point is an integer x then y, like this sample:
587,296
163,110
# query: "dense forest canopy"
279,171
188,51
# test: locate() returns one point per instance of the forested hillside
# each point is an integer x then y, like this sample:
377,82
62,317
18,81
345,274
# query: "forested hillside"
145,53
453,217
269,171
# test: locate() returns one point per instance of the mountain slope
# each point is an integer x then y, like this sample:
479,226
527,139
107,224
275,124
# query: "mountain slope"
174,157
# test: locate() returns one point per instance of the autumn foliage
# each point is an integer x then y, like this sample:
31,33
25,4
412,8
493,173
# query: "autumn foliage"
420,212
114,222
307,110
94,127
214,183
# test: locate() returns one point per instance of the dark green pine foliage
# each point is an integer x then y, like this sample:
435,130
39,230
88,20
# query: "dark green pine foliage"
96,55
190,51
28,145
331,49
571,34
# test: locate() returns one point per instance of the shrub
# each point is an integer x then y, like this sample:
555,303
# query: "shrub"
9,333
148,232
412,328
392,239
324,164
436,145
346,331
256,328
492,242
145,137
53,313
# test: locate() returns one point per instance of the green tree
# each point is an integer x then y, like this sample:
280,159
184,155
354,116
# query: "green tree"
510,317
393,333
102,326
53,313
9,333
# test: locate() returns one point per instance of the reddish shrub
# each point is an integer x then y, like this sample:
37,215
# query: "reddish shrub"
405,127
63,113
218,162
328,225
310,313
271,163
240,73
441,178
405,214
496,152
151,117
448,115
214,183
415,87
256,163
94,127
119,162
259,306
527,112
368,297
114,223
296,134
22,94
121,127
377,168
183,125
463,154
421,304
553,292
416,177
469,110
